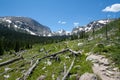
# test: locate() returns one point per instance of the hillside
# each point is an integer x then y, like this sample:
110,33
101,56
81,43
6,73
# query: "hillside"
15,41
68,59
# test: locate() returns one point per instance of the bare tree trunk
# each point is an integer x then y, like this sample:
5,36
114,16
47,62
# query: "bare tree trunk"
10,61
30,70
64,77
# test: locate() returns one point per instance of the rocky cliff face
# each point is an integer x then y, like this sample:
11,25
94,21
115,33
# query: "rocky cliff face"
25,24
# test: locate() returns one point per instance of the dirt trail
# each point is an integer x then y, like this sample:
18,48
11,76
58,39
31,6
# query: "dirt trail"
103,67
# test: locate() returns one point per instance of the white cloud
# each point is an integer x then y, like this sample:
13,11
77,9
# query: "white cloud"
62,22
76,23
112,8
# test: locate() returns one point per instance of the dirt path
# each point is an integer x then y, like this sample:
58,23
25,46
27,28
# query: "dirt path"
103,68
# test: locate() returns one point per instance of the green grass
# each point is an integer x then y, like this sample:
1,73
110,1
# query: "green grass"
110,48
80,67
55,68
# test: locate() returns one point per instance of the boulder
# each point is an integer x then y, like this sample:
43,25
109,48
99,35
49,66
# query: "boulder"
88,76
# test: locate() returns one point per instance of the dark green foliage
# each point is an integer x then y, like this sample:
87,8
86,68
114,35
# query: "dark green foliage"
12,40
17,46
79,35
1,48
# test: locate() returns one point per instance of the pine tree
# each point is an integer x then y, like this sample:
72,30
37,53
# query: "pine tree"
17,46
1,48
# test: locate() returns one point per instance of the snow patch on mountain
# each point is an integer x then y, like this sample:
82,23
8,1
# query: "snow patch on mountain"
61,32
9,21
15,26
95,24
25,24
32,33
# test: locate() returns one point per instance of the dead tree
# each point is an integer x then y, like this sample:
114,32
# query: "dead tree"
68,71
74,52
56,58
10,61
30,70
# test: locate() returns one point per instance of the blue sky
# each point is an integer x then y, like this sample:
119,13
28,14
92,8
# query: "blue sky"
59,14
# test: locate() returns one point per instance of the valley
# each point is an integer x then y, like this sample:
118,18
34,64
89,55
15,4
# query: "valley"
60,40
67,59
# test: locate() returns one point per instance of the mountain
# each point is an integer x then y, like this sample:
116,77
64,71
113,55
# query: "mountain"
92,25
98,58
25,25
61,32
96,25
30,26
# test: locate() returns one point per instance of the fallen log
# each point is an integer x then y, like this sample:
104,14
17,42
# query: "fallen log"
30,70
65,69
10,61
60,52
64,77
74,52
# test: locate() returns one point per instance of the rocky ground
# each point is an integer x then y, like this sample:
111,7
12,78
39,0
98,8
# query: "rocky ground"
103,67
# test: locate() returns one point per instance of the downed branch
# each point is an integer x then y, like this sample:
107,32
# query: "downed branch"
60,52
74,52
65,50
10,61
64,77
30,70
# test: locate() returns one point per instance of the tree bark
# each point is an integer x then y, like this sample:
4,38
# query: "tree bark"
10,61
64,77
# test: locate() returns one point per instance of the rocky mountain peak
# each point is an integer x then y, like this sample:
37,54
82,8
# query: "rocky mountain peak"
25,24
94,24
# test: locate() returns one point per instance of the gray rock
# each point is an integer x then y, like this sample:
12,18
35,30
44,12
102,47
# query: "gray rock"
88,76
